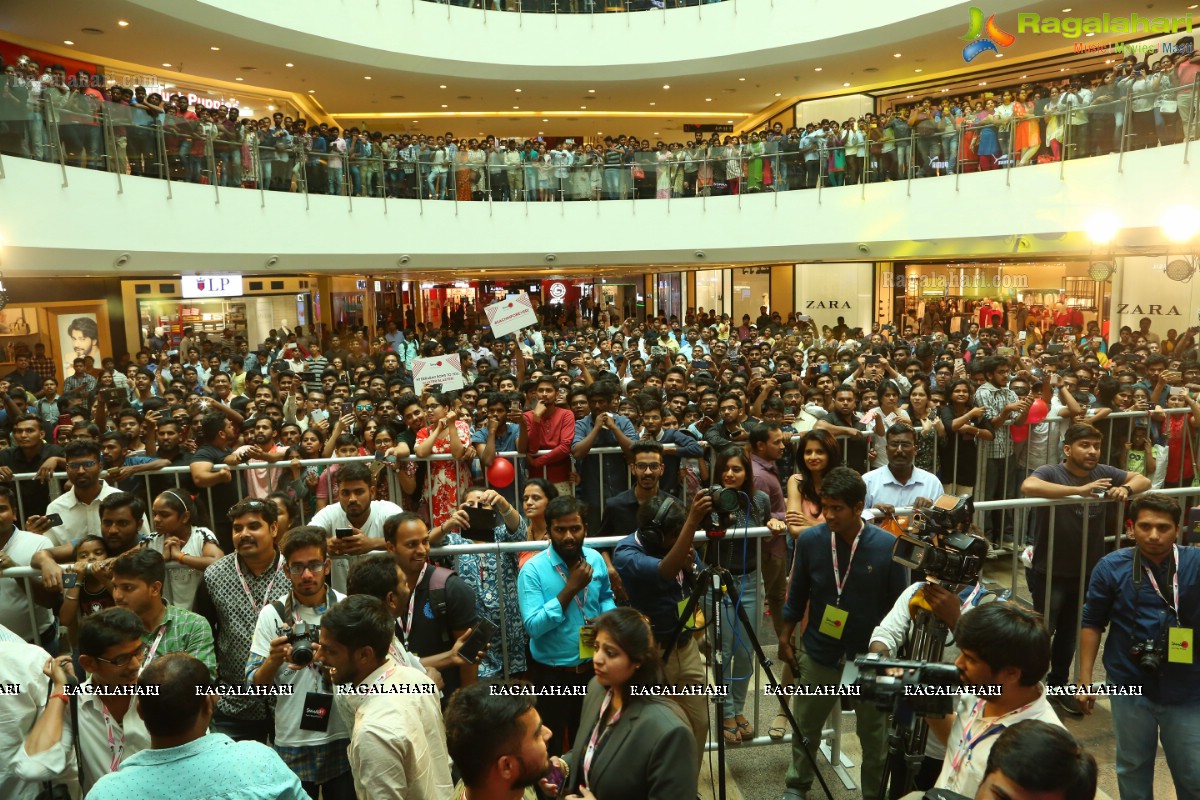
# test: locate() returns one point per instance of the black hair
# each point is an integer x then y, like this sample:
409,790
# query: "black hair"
177,700
289,504
900,429
373,575
350,473
730,396
391,526
482,726
630,630
1079,431
83,447
1153,501
761,433
1040,757
108,628
267,511
143,564
645,446
361,621
727,455
564,506
671,522
137,509
304,536
178,501
843,483
1006,635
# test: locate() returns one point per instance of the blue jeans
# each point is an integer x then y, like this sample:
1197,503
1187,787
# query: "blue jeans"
335,180
739,662
612,184
1137,723
231,167
356,180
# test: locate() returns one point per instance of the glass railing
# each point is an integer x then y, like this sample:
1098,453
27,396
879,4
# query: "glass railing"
140,141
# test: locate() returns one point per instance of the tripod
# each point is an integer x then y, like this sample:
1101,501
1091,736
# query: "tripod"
718,579
909,732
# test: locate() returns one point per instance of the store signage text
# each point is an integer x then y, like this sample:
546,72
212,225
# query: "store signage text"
700,127
827,304
195,286
1149,311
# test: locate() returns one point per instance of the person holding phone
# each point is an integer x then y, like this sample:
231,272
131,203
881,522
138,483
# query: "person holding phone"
443,433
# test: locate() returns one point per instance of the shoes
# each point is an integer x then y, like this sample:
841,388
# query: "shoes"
1065,704
994,552
778,728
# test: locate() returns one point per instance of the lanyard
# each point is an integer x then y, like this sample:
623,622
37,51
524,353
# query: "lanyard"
598,735
115,748
412,600
267,593
578,602
839,579
966,744
153,648
1174,583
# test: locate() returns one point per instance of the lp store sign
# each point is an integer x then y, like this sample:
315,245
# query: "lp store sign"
199,286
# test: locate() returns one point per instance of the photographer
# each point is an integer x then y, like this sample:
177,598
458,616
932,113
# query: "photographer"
310,734
1148,595
840,622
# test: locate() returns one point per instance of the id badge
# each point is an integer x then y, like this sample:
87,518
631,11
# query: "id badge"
833,623
697,620
318,707
1180,645
587,641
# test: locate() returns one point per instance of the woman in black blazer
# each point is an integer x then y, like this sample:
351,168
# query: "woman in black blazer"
629,746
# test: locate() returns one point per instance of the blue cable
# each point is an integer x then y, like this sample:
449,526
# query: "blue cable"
737,630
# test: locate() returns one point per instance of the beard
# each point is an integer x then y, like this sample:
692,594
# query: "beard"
530,775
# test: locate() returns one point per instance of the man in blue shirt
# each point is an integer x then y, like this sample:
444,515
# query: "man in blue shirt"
844,573
503,432
177,718
1148,594
561,590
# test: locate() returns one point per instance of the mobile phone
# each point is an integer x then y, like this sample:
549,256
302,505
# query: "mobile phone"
959,364
343,533
318,415
701,364
482,524
114,395
64,419
309,377
569,355
480,636
1021,336
1176,391
783,377
383,456
823,369
872,359
347,408
55,520
70,579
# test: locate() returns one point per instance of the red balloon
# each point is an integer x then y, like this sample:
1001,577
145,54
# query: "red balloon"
500,473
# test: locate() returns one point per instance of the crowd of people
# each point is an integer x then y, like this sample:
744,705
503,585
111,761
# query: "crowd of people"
241,515
88,122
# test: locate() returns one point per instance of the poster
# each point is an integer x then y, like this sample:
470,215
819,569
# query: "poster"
78,337
511,314
442,371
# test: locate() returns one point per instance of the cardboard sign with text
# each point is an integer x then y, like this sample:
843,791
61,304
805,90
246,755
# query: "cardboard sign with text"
443,371
511,314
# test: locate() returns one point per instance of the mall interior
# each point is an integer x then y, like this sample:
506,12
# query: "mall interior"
143,223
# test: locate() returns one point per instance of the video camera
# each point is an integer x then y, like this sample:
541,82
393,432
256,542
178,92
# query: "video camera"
939,543
915,687
301,637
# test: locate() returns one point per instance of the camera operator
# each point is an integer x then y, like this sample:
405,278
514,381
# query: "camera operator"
1005,645
840,623
1148,594
310,734
657,571
1032,759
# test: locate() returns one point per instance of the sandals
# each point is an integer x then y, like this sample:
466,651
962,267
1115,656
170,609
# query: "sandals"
729,729
778,727
745,729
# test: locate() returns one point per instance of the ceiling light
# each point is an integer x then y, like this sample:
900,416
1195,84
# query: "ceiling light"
817,69
708,99
1089,33
728,122
366,77
999,55
908,97
918,69
68,42
896,55
779,94
1180,223
1192,7
270,108
166,65
289,64
983,83
310,91
591,91
652,104
1026,76
847,83
416,120
123,23
599,133
583,108
945,90
443,86
214,49
445,106
540,133
666,86
515,108
518,91
545,120
1066,11
654,134
239,79
1102,226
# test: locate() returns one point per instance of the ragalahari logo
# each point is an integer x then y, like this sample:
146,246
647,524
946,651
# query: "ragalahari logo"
982,37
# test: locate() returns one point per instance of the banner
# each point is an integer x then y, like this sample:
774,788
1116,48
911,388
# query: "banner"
511,315
442,371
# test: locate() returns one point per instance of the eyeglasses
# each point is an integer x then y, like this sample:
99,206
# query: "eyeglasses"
123,660
364,408
647,467
82,464
315,567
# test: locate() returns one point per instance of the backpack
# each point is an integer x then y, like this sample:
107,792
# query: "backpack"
437,597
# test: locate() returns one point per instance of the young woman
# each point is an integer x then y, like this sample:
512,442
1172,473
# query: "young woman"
1028,133
931,430
537,495
305,479
888,414
289,513
1180,432
629,746
178,540
733,471
443,433
987,141
969,425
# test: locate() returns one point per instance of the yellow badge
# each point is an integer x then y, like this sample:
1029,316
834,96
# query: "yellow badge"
1180,645
587,641
834,622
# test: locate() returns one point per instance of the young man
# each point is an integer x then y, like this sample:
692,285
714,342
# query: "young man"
217,434
235,589
1148,594
550,428
839,622
1081,474
561,589
177,717
397,741
357,511
601,475
17,549
621,510
137,581
312,743
1033,760
681,445
30,453
121,526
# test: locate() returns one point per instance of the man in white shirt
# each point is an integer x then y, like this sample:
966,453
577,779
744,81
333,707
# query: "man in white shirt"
358,516
111,651
398,740
21,664
899,483
80,507
17,548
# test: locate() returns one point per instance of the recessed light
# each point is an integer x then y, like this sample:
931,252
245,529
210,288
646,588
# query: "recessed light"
666,86
545,120
599,133
239,79
515,108
1106,62
214,49
652,104
708,99
918,70
1192,7
983,83
68,42
518,91
366,77
166,65
445,106
591,91
583,108
123,23
908,97
999,55
896,55
779,94
1089,33
540,133
817,69
741,79
416,120
311,91
847,83
443,86
289,64
270,108
655,133
728,122
1066,11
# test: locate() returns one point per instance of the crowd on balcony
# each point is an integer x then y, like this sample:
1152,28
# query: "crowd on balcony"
85,122
557,434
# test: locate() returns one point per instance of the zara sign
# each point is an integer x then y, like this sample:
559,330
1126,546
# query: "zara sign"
196,286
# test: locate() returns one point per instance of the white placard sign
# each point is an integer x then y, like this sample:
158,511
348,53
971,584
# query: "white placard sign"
442,371
511,314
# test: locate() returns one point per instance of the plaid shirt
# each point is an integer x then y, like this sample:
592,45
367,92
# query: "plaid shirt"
993,400
184,631
317,763
43,367
76,382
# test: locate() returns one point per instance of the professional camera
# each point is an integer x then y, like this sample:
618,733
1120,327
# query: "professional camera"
939,543
1149,655
301,637
921,687
725,503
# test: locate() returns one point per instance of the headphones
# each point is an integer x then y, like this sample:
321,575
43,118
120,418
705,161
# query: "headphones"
652,534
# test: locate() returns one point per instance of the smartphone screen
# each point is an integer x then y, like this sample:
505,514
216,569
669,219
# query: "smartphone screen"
342,533
484,630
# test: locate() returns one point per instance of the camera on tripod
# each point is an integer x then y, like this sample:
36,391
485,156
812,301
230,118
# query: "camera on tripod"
301,637
1149,655
939,543
725,504
921,686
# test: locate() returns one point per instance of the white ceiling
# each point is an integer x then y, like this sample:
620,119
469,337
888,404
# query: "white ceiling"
475,105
